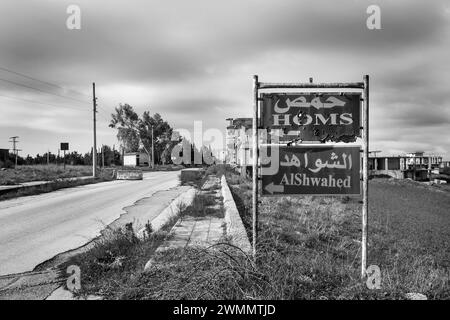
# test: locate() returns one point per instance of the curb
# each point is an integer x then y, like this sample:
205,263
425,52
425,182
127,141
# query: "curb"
235,226
171,211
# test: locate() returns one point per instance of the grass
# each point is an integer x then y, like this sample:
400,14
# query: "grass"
54,175
308,248
114,261
42,173
53,172
192,180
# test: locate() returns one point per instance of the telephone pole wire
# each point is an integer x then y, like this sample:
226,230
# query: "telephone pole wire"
94,149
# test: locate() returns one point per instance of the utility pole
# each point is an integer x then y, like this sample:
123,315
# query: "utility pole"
94,149
48,157
103,156
365,191
113,155
255,167
153,151
14,142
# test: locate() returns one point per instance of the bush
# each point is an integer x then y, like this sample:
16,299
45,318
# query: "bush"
8,164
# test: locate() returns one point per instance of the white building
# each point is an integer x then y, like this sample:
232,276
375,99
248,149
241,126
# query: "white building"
135,159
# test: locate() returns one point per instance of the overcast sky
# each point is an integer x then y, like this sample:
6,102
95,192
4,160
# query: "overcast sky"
194,60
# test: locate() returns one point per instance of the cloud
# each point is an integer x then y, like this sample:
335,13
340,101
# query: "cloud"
193,60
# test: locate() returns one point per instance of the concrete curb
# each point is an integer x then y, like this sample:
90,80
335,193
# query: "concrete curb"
172,210
235,226
32,184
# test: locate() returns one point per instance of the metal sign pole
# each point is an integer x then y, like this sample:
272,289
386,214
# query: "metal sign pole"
255,164
365,208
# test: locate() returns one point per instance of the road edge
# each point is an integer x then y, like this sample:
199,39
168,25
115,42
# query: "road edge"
234,225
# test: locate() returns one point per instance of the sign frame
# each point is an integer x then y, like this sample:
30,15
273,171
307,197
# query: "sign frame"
256,123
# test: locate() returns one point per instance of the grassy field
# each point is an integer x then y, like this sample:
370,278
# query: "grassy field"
42,173
55,173
308,248
48,173
52,172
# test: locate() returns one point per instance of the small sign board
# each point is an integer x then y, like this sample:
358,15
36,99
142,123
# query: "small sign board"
312,116
319,170
64,146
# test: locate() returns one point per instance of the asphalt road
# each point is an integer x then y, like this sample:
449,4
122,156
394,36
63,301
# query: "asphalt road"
34,229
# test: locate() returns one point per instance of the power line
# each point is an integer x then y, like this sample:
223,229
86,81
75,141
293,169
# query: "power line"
104,116
45,104
42,81
40,90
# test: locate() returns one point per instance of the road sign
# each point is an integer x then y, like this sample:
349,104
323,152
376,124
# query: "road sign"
324,170
312,116
64,146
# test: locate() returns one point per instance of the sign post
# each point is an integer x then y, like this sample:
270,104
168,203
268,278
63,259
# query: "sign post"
64,146
255,167
320,169
365,208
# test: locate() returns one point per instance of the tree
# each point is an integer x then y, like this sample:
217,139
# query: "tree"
136,133
126,121
162,133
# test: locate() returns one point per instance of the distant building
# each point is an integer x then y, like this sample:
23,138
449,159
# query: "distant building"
135,159
444,164
238,142
421,160
415,165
